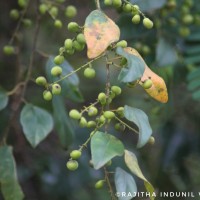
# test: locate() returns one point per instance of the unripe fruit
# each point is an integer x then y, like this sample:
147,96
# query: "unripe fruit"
146,50
102,119
127,8
81,38
77,46
132,84
109,114
120,112
136,19
70,11
8,50
75,154
89,73
56,89
47,95
27,22
109,100
147,84
72,165
68,44
120,127
151,140
22,3
14,14
148,23
83,122
99,184
53,11
108,2
122,43
58,23
187,19
112,95
59,59
91,124
116,89
75,114
60,1
117,3
184,31
70,51
135,10
43,8
73,27
56,71
92,111
102,98
41,80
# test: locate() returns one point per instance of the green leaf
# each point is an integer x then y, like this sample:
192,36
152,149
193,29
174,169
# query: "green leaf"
124,182
132,164
192,59
138,117
192,49
3,99
194,74
195,36
63,123
36,122
194,84
134,69
10,187
69,85
196,95
165,53
104,147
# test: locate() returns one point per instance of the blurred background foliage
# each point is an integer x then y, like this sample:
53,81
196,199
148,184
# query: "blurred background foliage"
171,49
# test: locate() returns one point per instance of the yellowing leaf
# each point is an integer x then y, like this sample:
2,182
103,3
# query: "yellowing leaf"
158,90
99,31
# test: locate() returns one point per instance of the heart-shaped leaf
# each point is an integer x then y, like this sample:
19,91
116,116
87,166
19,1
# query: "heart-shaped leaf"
138,117
104,147
99,31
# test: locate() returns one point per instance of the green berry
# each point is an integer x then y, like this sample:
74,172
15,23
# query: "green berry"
116,89
136,19
127,7
56,89
117,3
132,84
122,43
135,9
147,84
58,23
147,23
102,119
99,184
53,11
112,95
83,122
59,59
184,31
91,124
70,51
75,154
92,111
73,27
41,80
14,14
8,50
56,71
151,140
188,19
108,2
119,127
146,50
109,100
89,73
43,8
72,165
77,46
70,11
60,1
47,95
68,44
75,114
109,114
81,38
102,98
22,3
120,112
27,22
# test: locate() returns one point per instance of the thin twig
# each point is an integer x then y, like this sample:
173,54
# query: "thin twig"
98,4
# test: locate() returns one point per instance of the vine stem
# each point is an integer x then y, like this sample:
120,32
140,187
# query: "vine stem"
98,4
86,108
125,124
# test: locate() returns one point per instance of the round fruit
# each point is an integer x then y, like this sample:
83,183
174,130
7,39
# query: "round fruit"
58,23
92,111
68,44
81,38
59,59
56,89
14,14
73,27
47,95
136,19
148,23
184,31
83,122
102,119
99,184
147,84
187,19
75,114
146,50
108,2
117,3
27,22
120,112
116,89
72,165
109,114
60,1
22,3
119,127
70,11
102,98
53,11
41,80
43,8
77,46
70,51
151,140
122,43
56,71
75,154
135,10
127,8
8,50
112,95
91,124
89,73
